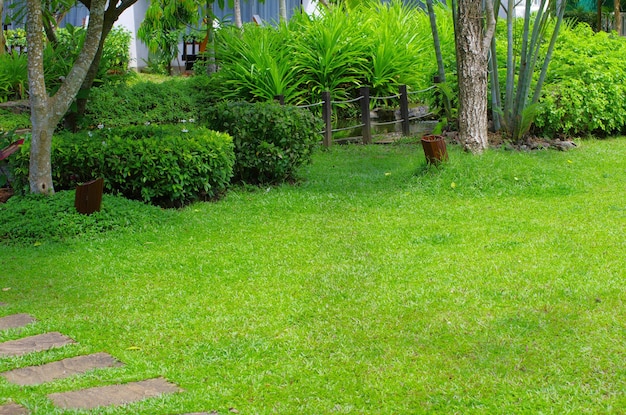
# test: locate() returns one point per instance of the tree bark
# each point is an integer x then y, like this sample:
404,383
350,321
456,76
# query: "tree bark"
282,10
237,10
618,17
46,111
473,40
3,42
111,15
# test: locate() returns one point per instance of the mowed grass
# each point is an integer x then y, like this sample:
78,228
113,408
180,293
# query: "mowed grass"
492,285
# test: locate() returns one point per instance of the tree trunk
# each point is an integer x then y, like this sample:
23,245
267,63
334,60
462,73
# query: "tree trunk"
3,42
282,10
111,15
473,41
46,111
599,15
237,10
618,18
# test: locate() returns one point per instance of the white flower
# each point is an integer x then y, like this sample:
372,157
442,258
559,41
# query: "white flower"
89,134
146,123
100,126
192,120
183,121
184,130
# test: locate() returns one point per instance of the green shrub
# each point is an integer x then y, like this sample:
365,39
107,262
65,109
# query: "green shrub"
116,51
140,102
585,85
167,166
10,120
13,76
271,141
37,219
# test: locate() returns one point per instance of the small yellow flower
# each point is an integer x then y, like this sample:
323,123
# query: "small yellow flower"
453,185
387,174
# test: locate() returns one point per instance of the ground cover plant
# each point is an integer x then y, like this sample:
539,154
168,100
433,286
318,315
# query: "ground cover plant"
493,284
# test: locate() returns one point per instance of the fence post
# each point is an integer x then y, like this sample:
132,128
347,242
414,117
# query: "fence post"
365,115
404,110
327,112
280,99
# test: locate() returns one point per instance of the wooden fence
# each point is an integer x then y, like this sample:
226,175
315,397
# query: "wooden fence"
364,99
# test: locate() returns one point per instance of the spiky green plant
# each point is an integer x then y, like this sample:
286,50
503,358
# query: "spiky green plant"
399,50
256,65
330,52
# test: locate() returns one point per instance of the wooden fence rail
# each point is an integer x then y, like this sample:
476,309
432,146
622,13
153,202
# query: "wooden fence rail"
364,100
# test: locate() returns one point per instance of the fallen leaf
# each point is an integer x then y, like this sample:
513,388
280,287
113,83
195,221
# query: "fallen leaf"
6,289
233,410
134,348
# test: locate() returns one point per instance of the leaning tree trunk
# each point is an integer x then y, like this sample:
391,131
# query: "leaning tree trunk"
111,15
46,111
473,41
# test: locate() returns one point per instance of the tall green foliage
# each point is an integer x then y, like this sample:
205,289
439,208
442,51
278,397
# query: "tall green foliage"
256,65
398,45
586,84
524,83
330,52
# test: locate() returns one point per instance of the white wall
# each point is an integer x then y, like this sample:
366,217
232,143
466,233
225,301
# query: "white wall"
131,19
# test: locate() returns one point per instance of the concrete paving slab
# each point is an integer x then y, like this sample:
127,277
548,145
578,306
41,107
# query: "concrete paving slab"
13,409
31,344
15,321
113,395
35,375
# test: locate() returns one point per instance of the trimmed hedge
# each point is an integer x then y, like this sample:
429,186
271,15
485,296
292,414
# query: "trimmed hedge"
271,140
167,166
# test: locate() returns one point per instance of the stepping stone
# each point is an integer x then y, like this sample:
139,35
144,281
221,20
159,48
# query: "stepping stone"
13,409
34,375
31,344
113,395
14,321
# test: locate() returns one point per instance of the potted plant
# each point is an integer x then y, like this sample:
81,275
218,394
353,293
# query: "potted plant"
434,144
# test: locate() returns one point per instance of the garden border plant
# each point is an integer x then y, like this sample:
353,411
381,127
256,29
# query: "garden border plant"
168,166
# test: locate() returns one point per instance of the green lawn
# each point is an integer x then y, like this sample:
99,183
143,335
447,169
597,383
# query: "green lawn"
494,285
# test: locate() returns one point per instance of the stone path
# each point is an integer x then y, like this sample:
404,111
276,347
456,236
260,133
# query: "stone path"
90,398
13,409
113,395
15,321
38,343
34,375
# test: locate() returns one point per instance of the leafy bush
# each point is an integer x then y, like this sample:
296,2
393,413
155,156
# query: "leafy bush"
135,103
585,84
12,121
38,219
271,141
116,51
13,76
166,166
